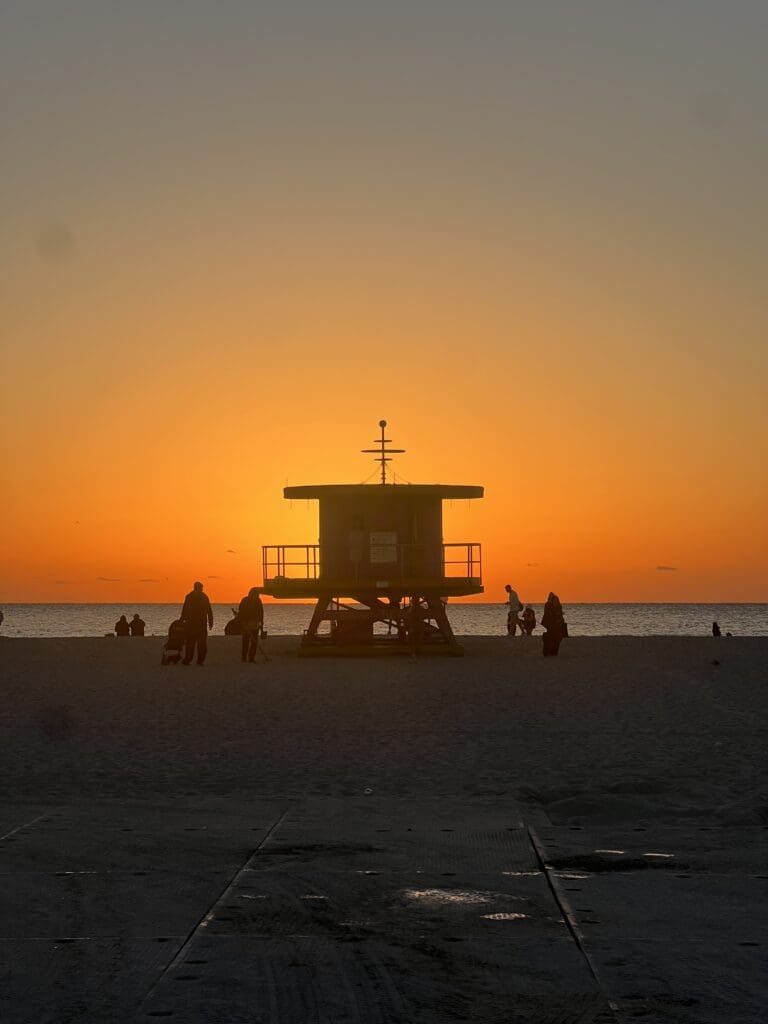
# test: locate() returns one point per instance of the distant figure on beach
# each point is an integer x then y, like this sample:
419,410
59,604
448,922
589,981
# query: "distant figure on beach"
137,625
197,616
554,623
514,606
1,616
251,615
716,629
529,621
121,627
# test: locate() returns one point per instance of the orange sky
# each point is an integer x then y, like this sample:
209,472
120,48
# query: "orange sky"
546,273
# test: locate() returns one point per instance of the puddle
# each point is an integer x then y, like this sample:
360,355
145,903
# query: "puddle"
522,874
573,876
246,896
616,852
450,896
505,917
664,856
311,896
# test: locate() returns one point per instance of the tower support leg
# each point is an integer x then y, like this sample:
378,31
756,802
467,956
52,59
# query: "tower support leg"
422,626
437,610
318,615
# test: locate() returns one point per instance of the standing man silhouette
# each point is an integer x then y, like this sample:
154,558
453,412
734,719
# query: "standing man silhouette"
197,616
251,614
514,607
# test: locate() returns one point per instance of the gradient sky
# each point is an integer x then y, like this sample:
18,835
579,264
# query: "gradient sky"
532,235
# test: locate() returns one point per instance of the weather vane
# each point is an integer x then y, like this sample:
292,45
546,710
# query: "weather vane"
382,451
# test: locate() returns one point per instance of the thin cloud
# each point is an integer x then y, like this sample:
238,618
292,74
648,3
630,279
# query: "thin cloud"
214,577
107,579
148,579
531,565
666,568
231,552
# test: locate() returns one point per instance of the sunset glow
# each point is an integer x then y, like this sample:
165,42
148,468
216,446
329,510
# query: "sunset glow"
234,244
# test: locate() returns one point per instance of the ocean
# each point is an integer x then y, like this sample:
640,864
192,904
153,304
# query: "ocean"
60,620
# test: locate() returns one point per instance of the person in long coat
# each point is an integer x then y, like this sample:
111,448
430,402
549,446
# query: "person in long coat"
554,623
197,617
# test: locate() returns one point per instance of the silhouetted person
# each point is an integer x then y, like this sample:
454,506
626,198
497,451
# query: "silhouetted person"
514,605
121,627
251,615
529,621
137,625
554,623
234,627
716,629
197,616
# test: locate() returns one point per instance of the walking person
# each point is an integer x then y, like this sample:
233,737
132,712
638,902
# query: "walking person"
197,616
514,606
251,616
555,625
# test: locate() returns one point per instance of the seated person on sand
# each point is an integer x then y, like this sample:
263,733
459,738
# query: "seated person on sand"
121,627
529,621
137,625
234,627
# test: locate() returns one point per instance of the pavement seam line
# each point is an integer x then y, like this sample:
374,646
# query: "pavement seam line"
25,825
207,915
568,916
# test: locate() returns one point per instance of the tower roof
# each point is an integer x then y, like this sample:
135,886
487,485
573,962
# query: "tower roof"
377,492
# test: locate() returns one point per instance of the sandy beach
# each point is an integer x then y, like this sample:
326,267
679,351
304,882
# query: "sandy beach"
618,728
617,758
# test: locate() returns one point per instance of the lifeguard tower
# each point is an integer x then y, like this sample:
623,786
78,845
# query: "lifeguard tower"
381,572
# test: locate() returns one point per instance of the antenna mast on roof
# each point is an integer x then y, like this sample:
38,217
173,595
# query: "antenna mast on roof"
382,451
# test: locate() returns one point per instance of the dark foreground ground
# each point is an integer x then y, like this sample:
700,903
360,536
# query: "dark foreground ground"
494,838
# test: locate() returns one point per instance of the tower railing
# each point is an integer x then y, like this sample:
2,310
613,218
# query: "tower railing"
453,560
290,561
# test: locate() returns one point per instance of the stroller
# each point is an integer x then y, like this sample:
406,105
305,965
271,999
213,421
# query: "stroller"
177,636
